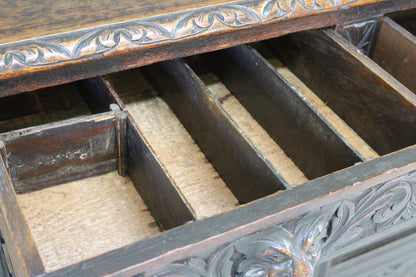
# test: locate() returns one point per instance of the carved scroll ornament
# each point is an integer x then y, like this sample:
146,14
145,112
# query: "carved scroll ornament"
97,42
293,248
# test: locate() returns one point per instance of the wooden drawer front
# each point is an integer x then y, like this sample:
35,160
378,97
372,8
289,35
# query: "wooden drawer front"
261,159
394,259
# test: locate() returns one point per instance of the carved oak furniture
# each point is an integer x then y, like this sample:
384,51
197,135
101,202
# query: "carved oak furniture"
208,138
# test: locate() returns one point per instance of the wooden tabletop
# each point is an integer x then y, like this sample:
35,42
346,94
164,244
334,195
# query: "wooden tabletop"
43,43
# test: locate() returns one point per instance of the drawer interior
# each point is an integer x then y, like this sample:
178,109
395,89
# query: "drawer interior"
132,154
373,103
47,105
395,47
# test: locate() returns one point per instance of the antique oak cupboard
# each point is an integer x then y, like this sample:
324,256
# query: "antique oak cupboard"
208,138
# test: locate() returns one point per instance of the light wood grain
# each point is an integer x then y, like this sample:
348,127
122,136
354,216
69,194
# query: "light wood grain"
82,219
198,181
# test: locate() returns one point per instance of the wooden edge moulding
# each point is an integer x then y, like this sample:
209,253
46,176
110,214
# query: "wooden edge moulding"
348,202
27,64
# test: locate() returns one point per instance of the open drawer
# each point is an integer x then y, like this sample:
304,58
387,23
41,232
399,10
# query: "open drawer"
280,158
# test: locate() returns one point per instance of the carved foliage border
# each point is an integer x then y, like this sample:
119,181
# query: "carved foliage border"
97,42
293,248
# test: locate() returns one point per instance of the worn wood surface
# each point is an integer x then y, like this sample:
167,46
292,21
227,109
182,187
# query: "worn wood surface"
157,188
59,152
210,233
395,51
255,133
243,167
333,119
192,174
85,218
16,233
379,108
91,52
304,135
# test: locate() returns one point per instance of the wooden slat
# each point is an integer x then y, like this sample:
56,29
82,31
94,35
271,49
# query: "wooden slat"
60,152
239,163
181,158
254,132
407,19
150,177
18,238
336,122
379,108
158,190
304,135
395,51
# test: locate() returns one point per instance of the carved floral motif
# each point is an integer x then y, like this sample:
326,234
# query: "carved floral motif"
293,248
99,41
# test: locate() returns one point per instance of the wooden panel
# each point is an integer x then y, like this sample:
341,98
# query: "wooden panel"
91,52
159,192
333,119
252,129
395,51
380,109
406,19
60,152
19,241
304,135
243,168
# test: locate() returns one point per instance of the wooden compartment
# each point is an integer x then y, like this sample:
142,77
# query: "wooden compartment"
47,105
303,134
375,105
395,48
73,167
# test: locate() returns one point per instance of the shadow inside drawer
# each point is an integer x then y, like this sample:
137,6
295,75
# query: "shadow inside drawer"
48,105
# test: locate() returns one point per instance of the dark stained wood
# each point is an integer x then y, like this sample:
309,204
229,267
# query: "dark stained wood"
43,106
244,169
406,19
395,51
20,77
96,94
15,231
380,109
121,140
159,192
53,154
208,234
305,136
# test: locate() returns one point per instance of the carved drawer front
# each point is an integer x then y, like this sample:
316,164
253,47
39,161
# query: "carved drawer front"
259,160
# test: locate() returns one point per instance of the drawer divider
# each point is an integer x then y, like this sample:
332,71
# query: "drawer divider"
241,165
380,109
293,123
395,51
